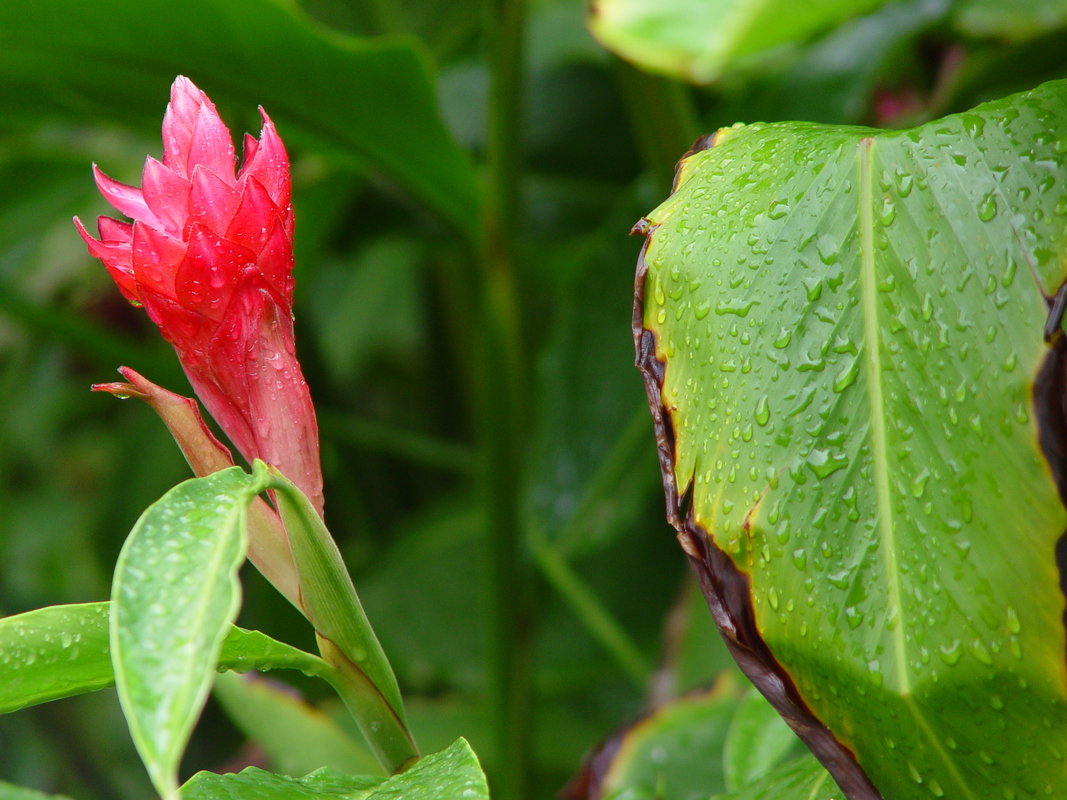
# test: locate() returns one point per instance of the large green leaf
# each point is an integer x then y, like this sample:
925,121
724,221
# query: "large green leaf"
115,59
699,39
174,598
841,330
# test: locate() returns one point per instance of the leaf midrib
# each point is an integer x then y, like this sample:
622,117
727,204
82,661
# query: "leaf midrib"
880,452
879,449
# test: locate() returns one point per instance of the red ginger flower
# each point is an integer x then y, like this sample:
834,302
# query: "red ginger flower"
210,257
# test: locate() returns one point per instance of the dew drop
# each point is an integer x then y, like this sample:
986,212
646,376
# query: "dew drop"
987,207
763,413
950,654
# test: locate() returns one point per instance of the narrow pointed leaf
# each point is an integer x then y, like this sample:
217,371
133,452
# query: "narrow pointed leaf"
174,597
347,642
62,651
842,333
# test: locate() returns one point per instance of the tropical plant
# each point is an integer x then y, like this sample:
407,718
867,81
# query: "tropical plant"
843,334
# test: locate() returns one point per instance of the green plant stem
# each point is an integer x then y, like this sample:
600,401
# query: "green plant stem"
500,390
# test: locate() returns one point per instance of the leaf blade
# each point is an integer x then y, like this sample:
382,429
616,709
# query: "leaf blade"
174,597
879,302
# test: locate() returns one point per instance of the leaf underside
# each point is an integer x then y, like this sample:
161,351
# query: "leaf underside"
841,330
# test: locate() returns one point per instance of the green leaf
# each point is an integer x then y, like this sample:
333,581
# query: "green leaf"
675,753
297,736
801,779
849,324
757,742
700,39
174,597
62,651
53,652
257,784
115,59
451,774
1016,21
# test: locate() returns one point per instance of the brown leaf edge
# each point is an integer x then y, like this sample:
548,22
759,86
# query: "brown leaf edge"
726,589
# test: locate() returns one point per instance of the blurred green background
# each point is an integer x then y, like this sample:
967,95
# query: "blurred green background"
465,177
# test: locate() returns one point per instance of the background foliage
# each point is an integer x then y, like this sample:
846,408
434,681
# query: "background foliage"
463,307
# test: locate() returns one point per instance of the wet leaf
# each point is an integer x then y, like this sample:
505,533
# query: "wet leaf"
849,324
674,753
174,597
758,741
62,651
452,774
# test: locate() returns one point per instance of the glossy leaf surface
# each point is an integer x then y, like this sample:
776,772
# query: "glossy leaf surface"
757,741
675,753
62,651
71,58
698,39
851,323
451,774
174,598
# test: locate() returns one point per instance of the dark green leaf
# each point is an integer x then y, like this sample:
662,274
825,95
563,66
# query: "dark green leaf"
115,59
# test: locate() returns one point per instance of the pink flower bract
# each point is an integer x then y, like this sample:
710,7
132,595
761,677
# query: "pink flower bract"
209,255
